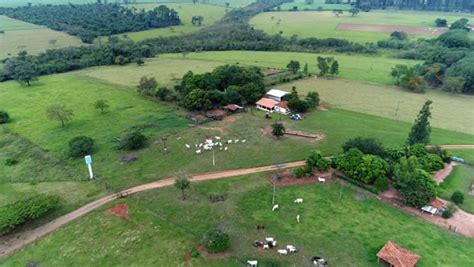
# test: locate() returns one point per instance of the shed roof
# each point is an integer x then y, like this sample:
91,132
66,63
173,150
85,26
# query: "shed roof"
437,203
267,102
233,107
283,104
397,256
277,93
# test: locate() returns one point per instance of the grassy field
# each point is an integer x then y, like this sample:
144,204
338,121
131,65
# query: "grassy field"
385,100
317,3
324,24
355,67
460,179
15,3
185,11
345,227
21,36
166,71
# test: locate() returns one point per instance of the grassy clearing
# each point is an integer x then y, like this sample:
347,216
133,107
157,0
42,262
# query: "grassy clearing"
383,101
355,67
185,11
460,179
303,23
346,230
167,72
317,3
21,36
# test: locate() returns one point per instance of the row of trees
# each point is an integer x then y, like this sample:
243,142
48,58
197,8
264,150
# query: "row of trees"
92,20
437,5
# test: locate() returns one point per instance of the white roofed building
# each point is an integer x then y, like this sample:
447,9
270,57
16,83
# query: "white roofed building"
276,94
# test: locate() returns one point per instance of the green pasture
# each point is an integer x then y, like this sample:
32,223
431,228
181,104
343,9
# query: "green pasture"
324,24
460,179
185,11
19,36
167,72
449,111
15,3
374,69
301,5
345,226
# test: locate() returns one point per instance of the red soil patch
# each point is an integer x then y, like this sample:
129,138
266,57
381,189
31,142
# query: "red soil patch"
187,257
323,107
288,179
206,254
411,30
119,210
440,175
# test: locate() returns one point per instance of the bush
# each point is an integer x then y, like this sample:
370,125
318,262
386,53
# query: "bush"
446,214
457,197
25,208
366,145
81,146
4,117
299,172
216,241
195,253
381,183
10,161
132,141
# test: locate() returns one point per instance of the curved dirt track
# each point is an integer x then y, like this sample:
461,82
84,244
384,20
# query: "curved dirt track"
7,247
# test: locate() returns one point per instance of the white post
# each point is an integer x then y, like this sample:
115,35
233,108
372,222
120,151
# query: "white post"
91,174
213,158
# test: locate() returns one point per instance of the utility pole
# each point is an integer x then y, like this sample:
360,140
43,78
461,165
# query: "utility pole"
213,158
274,188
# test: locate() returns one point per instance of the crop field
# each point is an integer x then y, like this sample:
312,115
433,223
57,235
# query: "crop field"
21,36
355,67
391,102
166,71
301,5
345,226
324,24
185,11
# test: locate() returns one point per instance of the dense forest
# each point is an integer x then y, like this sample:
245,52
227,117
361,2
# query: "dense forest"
435,5
93,20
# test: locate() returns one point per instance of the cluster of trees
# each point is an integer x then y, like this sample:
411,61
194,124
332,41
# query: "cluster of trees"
197,20
327,66
315,161
229,84
27,207
296,104
435,5
448,63
92,20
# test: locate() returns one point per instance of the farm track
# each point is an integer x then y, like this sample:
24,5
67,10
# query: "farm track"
14,243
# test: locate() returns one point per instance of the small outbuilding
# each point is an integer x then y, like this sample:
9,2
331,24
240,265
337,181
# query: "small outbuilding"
266,104
276,94
233,108
282,108
393,255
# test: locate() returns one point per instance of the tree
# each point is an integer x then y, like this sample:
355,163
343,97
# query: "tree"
293,66
316,160
305,68
464,68
59,113
278,130
402,36
216,241
453,85
455,39
457,197
197,20
398,71
297,105
334,68
101,104
461,24
147,85
22,71
441,23
421,130
354,11
312,99
370,146
4,117
182,183
81,146
338,12
323,66
132,141
197,99
139,61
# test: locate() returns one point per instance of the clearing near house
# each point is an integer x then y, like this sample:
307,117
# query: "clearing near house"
343,225
19,36
303,24
374,69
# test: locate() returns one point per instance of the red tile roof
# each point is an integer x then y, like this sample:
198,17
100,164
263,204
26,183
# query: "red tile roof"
437,203
232,107
283,104
397,256
268,103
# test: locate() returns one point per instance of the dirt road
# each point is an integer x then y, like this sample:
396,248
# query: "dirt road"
14,243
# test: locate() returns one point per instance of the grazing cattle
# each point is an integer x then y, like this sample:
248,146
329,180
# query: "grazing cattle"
198,151
236,141
217,137
187,146
200,145
269,239
179,138
252,263
298,201
229,141
275,207
225,148
282,252
260,227
321,180
298,218
291,249
266,246
318,261
220,144
243,141
258,243
196,145
272,244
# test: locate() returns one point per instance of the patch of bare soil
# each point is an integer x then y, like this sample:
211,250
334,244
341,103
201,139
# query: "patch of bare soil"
267,131
288,179
187,257
208,255
222,124
119,210
410,30
322,107
440,175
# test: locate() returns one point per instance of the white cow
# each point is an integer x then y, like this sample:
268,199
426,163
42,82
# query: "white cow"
266,246
291,248
225,148
217,137
229,141
298,218
236,141
269,239
298,201
200,145
282,252
243,141
275,207
252,263
321,180
187,146
198,151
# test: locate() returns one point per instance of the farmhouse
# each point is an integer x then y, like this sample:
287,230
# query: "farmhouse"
395,256
273,102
